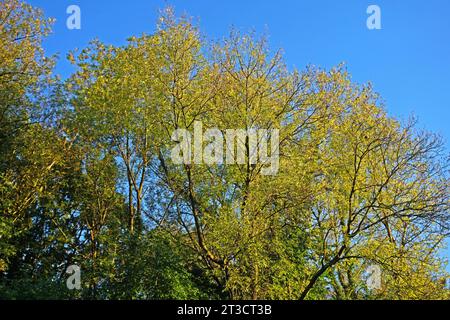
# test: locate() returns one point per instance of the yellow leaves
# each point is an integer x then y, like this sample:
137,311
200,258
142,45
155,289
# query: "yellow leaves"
71,57
3,265
350,176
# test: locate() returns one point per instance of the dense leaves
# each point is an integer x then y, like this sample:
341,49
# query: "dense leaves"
87,178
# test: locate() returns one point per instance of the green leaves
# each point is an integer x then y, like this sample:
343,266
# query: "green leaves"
86,176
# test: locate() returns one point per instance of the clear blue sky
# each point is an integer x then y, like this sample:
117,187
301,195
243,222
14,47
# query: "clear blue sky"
408,60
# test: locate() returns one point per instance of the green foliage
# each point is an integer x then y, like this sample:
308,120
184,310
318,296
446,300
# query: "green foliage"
87,179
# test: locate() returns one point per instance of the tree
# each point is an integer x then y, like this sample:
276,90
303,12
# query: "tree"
87,174
24,74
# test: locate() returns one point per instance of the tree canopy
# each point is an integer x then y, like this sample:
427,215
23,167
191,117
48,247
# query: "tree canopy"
87,177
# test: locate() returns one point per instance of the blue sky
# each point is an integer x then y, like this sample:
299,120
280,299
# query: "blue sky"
408,60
